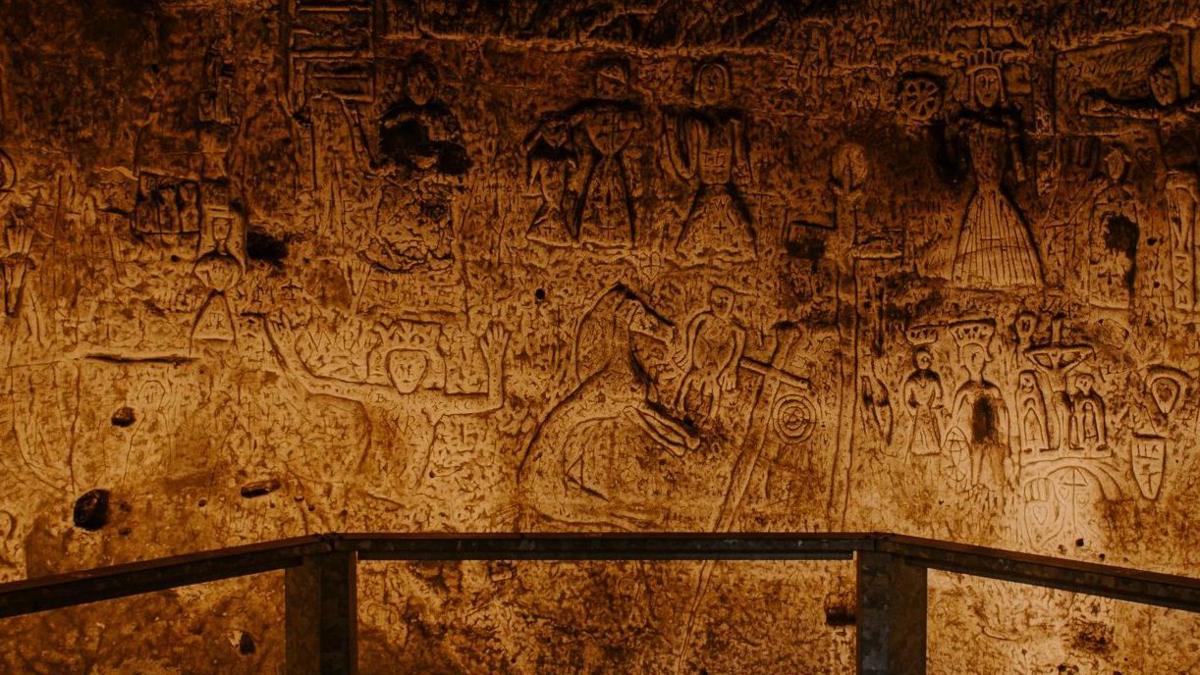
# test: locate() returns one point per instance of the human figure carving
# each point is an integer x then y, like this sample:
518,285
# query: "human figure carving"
923,397
424,156
979,414
551,162
406,412
713,348
1088,423
995,247
604,213
218,268
1113,233
706,145
1031,415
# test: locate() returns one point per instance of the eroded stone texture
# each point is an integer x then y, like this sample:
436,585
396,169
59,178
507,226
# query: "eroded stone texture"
918,266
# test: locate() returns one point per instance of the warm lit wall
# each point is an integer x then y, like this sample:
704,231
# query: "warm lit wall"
922,266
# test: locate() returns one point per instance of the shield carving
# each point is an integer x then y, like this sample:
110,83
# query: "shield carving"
958,454
1149,461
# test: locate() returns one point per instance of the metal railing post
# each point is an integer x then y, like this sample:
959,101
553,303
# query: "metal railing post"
321,630
893,602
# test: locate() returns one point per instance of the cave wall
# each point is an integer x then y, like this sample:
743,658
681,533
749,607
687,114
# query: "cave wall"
921,266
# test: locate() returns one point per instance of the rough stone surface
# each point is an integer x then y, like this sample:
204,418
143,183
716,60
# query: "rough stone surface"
925,266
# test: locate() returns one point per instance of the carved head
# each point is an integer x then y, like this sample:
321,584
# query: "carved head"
420,80
974,358
1116,162
987,87
712,84
922,359
406,369
849,167
1027,382
1024,325
612,80
1164,82
721,300
1084,382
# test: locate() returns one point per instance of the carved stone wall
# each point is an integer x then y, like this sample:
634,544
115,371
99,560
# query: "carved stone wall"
283,266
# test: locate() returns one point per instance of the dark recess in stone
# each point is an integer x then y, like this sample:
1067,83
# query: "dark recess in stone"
91,510
259,488
266,248
123,417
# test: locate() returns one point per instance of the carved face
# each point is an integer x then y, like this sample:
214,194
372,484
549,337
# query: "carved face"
1115,163
712,84
922,359
419,84
974,359
555,132
1025,324
1084,384
406,369
986,84
1164,85
611,82
721,300
1026,381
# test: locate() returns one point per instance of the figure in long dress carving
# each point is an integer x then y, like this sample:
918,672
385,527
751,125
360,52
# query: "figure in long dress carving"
978,440
1032,416
995,246
219,268
708,144
406,411
1112,237
604,213
1088,430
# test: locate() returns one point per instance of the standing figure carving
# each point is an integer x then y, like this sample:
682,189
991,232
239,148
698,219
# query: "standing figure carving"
551,162
1032,415
706,146
715,343
1112,237
604,213
1176,115
1088,430
421,144
995,246
923,397
978,439
219,268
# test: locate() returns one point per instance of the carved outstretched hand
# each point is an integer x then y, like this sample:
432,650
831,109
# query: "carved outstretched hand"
494,341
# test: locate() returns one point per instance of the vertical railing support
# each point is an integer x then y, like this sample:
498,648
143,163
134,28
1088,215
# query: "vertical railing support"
322,615
892,607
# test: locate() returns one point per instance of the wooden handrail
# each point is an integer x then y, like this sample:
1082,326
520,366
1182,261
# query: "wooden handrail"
891,573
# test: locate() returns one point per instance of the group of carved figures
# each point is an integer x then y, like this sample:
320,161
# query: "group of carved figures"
987,435
578,169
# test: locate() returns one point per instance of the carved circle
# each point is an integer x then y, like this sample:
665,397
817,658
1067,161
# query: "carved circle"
919,98
793,417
